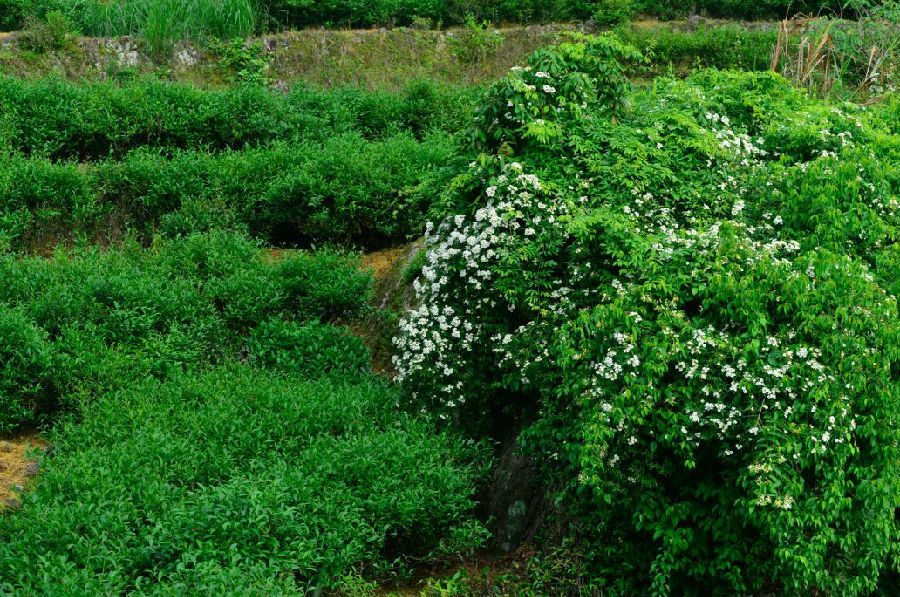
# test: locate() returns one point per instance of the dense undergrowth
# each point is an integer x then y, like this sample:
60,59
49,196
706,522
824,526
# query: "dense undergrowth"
201,381
179,19
311,166
90,319
680,294
346,189
320,480
723,47
688,292
59,120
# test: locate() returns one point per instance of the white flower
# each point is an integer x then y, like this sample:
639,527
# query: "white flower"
549,89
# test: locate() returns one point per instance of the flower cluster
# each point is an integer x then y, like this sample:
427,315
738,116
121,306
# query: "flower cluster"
459,302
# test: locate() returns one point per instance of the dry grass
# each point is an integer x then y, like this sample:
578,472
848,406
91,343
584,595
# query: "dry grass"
804,51
16,468
276,255
382,262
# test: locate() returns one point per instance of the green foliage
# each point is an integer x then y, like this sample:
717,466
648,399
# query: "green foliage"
162,23
688,292
12,14
195,409
329,284
243,62
751,9
24,372
723,47
528,106
414,269
237,481
311,166
476,42
364,13
58,120
38,193
51,33
105,317
346,189
858,59
310,350
158,23
613,12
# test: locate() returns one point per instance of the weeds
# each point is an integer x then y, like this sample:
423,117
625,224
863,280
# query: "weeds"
859,58
475,43
52,33
242,62
162,23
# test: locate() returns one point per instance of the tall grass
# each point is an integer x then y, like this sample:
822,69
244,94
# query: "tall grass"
861,58
162,23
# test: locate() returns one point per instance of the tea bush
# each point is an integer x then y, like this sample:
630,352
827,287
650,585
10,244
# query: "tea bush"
614,12
346,189
24,373
60,120
88,320
687,291
311,350
328,284
239,481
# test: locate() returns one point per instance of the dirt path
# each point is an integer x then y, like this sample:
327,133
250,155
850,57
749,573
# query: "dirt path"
16,468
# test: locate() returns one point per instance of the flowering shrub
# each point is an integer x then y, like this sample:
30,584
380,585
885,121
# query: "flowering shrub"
688,291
